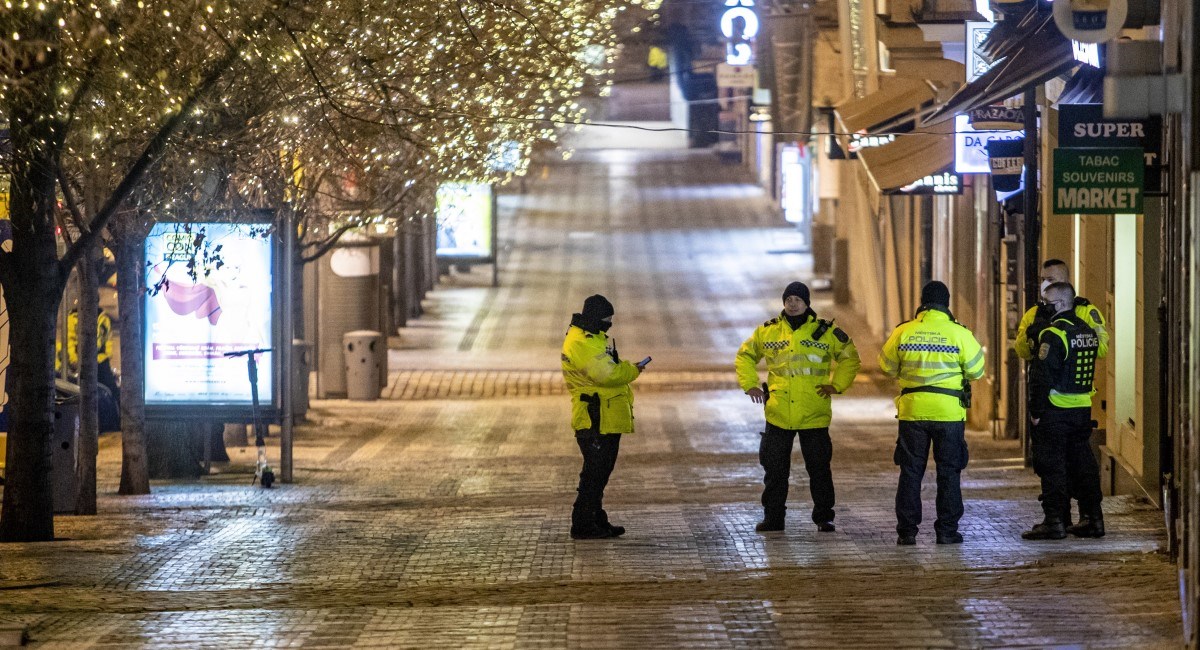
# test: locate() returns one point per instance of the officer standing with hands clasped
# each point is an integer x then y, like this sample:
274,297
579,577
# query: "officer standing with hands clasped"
601,410
1060,408
935,358
799,349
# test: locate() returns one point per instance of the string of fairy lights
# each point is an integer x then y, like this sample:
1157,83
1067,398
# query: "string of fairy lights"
365,100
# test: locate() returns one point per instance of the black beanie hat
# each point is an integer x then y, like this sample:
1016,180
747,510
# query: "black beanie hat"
935,293
797,289
597,307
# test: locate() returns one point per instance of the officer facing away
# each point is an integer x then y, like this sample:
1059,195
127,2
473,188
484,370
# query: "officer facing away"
799,349
601,410
1038,317
1061,410
935,358
104,350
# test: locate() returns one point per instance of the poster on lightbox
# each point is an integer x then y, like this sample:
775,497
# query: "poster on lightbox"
464,221
194,317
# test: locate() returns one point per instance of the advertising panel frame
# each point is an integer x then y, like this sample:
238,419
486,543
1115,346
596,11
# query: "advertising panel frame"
445,260
269,402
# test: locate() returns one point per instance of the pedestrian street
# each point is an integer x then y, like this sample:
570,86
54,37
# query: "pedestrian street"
438,516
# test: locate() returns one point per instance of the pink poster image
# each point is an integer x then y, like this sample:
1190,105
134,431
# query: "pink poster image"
209,293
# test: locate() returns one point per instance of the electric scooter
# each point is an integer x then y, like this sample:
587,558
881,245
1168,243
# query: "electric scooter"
263,474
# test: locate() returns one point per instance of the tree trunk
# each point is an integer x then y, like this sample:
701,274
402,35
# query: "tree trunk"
135,474
89,414
30,275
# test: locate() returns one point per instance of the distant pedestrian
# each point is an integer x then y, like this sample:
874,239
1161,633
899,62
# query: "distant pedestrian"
935,358
601,410
808,361
1060,409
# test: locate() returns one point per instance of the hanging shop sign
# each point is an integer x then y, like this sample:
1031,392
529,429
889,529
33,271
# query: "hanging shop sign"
1090,21
210,292
943,182
739,26
1098,181
1006,158
997,117
465,222
970,146
977,61
1084,125
735,76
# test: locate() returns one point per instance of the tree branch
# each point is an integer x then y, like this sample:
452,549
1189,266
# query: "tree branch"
149,155
324,247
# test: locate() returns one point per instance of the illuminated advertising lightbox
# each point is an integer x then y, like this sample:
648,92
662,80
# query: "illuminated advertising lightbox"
193,317
970,146
465,226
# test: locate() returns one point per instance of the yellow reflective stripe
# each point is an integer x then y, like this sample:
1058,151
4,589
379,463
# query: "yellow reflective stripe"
978,358
913,363
926,380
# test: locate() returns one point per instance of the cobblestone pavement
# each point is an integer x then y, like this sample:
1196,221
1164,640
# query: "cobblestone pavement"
439,517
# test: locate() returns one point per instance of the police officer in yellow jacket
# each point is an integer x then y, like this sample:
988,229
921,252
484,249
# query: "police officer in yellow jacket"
935,358
799,350
601,410
1061,409
1037,318
104,350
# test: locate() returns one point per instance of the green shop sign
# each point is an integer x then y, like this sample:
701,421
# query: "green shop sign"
1098,181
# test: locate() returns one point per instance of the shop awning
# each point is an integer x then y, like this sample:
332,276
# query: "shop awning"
1086,86
898,98
910,157
1032,58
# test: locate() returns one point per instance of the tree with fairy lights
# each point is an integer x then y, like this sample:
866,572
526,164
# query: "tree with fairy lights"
122,112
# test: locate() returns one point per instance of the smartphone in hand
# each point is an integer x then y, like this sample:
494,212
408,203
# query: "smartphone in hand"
643,362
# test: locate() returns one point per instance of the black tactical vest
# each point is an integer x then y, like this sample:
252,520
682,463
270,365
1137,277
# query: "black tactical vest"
1083,345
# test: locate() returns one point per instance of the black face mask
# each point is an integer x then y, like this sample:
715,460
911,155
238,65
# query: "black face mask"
603,325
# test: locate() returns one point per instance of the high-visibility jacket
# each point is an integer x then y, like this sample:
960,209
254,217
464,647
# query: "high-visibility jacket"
1026,343
931,350
797,362
104,346
598,383
1065,367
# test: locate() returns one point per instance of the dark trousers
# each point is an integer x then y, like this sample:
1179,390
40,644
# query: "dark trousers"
912,453
1063,459
775,455
599,458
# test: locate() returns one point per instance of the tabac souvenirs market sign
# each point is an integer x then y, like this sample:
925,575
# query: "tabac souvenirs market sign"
1098,181
1083,125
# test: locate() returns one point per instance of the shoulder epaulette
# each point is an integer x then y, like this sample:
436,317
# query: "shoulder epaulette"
840,335
771,322
1080,301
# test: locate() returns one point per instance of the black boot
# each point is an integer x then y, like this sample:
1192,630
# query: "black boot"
603,524
1051,528
1091,526
769,526
584,526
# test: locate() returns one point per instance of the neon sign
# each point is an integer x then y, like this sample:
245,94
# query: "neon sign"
739,25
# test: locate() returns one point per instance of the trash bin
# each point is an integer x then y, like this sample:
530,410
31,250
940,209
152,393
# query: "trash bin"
366,355
64,444
301,366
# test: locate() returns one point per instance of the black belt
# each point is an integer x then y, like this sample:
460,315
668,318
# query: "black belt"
964,395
